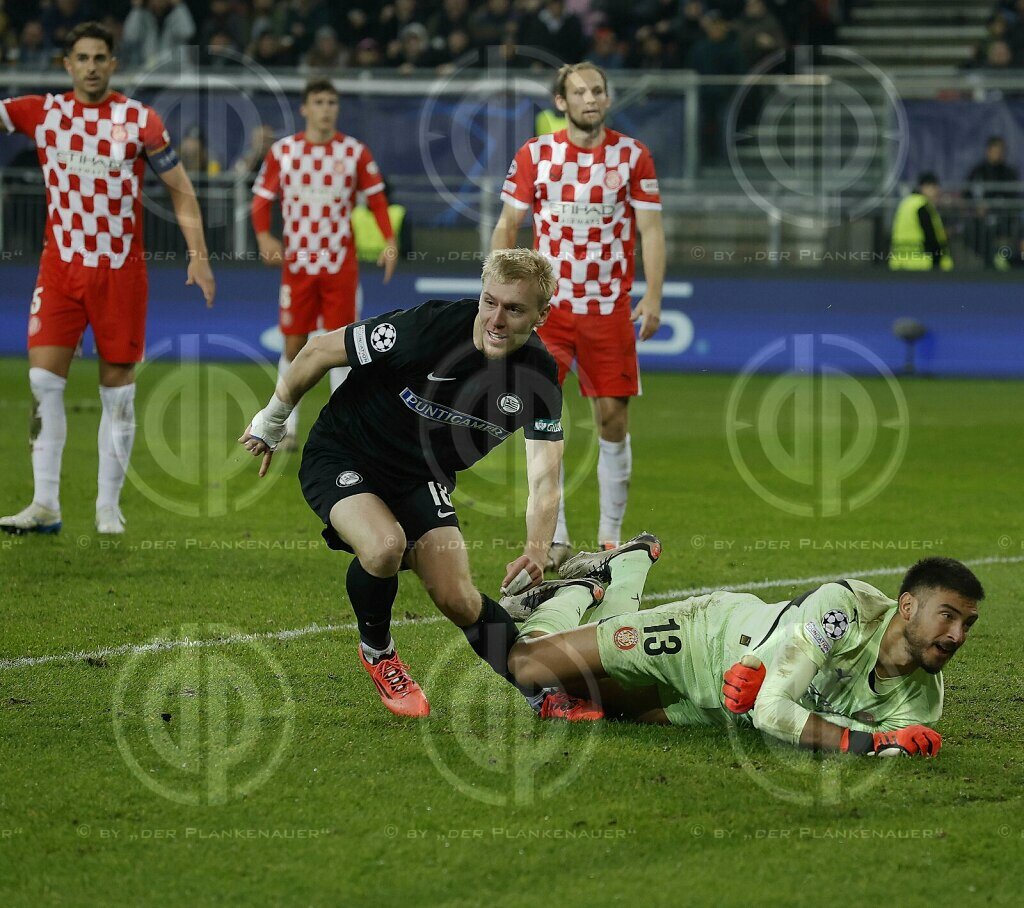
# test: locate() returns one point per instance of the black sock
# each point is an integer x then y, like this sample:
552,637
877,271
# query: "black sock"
372,598
492,637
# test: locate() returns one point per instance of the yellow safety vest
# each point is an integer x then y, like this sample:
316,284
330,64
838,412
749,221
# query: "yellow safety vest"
908,237
549,121
369,240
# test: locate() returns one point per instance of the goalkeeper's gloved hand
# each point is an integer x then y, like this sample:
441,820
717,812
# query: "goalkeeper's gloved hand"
268,429
912,740
742,683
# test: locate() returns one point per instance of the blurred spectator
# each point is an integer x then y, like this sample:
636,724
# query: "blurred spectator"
651,52
458,52
60,17
997,226
326,53
759,33
260,140
688,27
1015,32
489,23
354,25
716,54
393,18
998,56
272,52
554,29
154,29
220,51
33,53
996,29
606,51
305,19
918,237
453,16
367,55
411,50
195,157
223,17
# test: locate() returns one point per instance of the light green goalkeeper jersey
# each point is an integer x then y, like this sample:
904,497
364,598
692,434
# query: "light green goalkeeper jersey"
686,647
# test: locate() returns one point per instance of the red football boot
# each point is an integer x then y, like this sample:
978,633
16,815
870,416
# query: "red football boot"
398,692
560,705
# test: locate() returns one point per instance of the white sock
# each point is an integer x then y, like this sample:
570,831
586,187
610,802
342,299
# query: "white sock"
115,440
48,433
561,530
337,375
614,466
292,422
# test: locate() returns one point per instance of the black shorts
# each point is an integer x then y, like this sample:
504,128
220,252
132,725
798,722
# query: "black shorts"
330,473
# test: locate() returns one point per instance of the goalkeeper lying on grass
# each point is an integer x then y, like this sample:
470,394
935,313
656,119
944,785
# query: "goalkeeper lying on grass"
841,667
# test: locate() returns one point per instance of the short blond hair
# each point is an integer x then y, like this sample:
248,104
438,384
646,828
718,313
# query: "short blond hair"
563,75
509,265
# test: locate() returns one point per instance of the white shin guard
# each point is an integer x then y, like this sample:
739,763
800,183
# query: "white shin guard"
115,440
48,433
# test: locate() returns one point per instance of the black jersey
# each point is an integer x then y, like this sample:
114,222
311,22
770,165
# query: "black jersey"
422,401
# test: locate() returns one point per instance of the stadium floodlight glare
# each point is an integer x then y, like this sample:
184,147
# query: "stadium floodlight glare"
910,331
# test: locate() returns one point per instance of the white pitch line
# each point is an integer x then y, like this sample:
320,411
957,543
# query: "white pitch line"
158,646
824,578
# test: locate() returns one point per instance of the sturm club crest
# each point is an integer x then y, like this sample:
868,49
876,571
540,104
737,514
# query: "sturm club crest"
510,403
348,478
835,623
382,338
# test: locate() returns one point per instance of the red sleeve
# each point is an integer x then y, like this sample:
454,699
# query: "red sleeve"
368,178
518,189
643,183
264,191
22,114
154,134
378,204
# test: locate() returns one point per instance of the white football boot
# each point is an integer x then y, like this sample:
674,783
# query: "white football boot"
525,604
598,564
557,555
109,520
34,519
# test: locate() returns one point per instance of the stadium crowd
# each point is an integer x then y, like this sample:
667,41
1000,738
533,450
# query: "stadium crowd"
719,37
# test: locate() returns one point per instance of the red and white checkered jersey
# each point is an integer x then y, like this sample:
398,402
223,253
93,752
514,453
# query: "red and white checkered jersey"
583,202
317,184
93,158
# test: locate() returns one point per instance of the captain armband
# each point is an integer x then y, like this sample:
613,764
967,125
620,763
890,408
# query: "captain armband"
163,160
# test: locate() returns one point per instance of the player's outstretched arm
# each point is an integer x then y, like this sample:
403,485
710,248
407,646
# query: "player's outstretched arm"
190,220
313,362
543,473
777,712
652,244
507,229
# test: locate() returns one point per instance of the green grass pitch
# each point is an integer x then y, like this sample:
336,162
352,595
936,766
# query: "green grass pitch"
258,767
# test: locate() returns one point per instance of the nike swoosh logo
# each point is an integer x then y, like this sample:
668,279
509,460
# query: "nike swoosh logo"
441,513
432,377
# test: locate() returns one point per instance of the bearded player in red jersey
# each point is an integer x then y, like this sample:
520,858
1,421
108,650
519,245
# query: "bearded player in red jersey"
591,189
93,145
316,174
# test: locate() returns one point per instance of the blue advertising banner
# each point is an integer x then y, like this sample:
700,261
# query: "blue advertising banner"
709,323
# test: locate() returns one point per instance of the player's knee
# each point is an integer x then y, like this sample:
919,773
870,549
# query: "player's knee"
525,669
384,558
460,603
